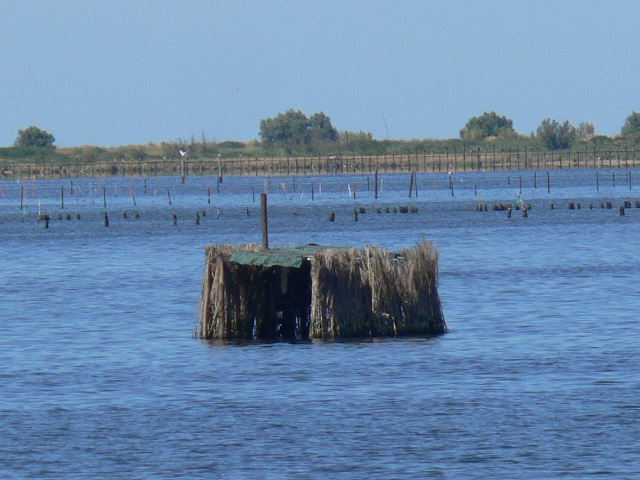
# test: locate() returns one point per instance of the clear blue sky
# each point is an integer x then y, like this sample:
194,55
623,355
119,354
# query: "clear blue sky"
120,72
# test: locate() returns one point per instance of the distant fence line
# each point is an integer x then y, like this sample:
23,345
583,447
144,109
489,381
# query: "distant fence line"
465,161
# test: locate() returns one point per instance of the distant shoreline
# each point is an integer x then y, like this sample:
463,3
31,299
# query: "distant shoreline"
325,165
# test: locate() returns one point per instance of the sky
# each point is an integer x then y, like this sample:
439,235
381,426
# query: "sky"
119,72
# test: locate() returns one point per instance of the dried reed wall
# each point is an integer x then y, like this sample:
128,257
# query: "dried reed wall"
354,293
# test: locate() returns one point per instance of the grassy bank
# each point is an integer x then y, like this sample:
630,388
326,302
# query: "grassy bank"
356,154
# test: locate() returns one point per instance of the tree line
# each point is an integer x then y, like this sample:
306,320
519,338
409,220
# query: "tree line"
292,133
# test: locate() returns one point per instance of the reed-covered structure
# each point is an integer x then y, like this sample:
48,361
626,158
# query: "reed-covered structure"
316,292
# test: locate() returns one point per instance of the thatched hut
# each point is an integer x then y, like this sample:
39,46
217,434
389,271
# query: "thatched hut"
316,292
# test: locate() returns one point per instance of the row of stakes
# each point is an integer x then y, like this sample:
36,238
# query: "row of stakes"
379,210
46,218
502,207
498,207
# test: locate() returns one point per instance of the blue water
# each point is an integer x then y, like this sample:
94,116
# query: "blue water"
538,378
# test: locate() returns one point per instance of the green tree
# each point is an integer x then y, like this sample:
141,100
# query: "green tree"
489,124
293,128
556,135
320,129
34,137
585,130
631,126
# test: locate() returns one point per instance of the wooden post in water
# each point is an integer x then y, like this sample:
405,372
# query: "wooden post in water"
415,182
312,194
169,195
376,182
21,197
411,186
104,197
548,182
520,184
219,171
629,172
265,230
62,197
597,182
209,195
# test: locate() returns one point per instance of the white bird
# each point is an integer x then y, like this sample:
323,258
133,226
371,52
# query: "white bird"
182,153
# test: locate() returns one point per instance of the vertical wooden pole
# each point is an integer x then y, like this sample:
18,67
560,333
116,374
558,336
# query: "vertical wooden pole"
104,197
597,182
548,182
411,186
265,230
376,181
62,197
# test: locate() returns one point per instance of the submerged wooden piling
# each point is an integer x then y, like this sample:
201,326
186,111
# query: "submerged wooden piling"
411,185
263,211
376,185
548,182
314,292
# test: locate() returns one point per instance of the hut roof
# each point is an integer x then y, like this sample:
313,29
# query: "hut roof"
291,257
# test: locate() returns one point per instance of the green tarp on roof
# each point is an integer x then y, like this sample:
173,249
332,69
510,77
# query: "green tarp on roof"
290,257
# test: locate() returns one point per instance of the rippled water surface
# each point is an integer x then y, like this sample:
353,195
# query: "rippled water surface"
538,377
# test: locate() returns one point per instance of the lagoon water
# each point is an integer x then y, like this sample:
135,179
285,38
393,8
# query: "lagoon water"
538,377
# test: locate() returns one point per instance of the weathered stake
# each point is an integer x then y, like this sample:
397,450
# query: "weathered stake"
265,230
411,185
376,186
548,182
